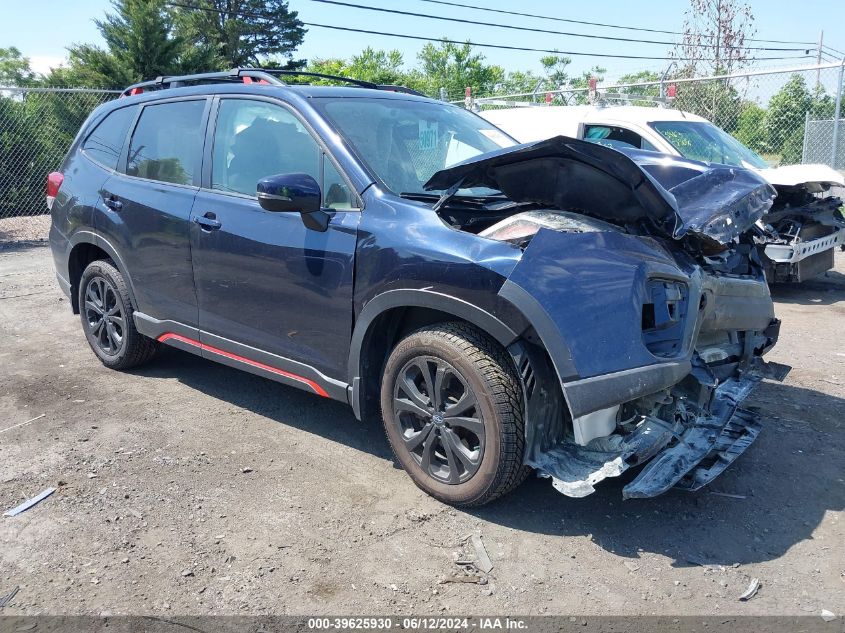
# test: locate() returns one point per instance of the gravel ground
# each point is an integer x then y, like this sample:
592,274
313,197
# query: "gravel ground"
34,228
190,488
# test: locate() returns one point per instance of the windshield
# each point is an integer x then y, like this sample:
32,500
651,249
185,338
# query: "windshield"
405,142
703,141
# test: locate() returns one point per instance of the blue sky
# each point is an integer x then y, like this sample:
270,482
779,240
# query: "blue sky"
42,29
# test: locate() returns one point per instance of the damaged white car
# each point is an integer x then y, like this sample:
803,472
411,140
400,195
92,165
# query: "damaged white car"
805,224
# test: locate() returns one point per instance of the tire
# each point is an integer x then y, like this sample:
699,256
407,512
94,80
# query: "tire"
113,338
474,455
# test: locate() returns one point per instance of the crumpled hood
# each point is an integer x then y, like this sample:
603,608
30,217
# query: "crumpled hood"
814,178
677,195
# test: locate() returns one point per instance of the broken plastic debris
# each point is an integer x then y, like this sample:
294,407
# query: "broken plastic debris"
828,616
38,417
4,600
483,561
727,494
477,580
26,505
749,593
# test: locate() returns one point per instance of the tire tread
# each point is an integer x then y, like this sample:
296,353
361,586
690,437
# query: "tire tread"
494,365
139,348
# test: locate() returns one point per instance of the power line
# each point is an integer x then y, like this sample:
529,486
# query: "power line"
832,50
586,23
478,44
539,30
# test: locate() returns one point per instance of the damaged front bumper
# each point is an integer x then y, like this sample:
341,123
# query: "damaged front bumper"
652,362
685,450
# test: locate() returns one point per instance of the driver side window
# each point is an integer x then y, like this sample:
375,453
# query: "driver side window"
255,139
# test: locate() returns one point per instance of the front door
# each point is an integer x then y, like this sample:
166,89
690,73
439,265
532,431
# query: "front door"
271,291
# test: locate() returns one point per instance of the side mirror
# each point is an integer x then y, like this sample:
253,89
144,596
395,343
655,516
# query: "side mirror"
297,193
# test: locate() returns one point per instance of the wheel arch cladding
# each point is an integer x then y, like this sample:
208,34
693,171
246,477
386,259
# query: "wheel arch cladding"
395,313
85,248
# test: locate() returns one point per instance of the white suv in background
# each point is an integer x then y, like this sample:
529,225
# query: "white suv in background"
804,226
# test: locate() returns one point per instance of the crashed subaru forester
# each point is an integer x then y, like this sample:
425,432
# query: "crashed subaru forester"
558,306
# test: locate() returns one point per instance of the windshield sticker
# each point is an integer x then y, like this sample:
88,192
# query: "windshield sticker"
428,137
497,137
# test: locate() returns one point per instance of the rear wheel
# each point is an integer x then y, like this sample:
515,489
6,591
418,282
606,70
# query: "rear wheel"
452,410
106,312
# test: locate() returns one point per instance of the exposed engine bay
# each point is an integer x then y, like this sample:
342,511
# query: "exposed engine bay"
643,280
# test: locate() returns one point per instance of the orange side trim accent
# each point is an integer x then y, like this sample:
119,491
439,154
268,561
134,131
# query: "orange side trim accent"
254,363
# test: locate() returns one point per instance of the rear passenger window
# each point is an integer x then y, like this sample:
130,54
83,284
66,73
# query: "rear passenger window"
167,142
106,141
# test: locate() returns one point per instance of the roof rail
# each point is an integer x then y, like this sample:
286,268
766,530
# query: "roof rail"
250,75
236,75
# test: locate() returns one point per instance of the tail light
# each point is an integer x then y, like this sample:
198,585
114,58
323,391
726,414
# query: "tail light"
54,181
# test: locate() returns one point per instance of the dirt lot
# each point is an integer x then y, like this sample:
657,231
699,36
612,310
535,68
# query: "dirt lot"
190,488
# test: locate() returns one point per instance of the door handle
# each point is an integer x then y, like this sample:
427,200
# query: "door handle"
112,202
208,222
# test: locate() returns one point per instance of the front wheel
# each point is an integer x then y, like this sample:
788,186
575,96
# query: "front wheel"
452,409
106,312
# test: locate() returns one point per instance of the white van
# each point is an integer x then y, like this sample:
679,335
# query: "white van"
804,225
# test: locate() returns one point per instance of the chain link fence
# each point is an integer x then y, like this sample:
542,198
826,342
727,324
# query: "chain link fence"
788,116
819,143
37,125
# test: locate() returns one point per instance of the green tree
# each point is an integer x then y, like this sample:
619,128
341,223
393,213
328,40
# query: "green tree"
244,32
454,67
642,76
381,67
519,81
554,70
751,129
822,106
141,43
787,111
14,68
716,100
378,66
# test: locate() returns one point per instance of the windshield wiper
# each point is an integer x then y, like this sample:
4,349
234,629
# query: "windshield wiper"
450,194
423,197
451,191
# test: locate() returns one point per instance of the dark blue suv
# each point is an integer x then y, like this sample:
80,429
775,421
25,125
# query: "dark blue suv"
558,306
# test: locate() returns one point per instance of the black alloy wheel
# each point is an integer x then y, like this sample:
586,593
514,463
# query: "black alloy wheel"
439,420
104,316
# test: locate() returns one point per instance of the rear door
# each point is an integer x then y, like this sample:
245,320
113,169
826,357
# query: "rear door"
269,289
144,208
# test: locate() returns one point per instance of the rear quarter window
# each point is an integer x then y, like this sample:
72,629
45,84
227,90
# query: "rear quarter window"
105,142
167,142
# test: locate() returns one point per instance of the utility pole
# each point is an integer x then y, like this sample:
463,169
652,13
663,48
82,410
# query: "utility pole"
819,59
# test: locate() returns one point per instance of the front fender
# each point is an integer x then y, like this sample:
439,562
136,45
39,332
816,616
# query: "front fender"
504,333
583,293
